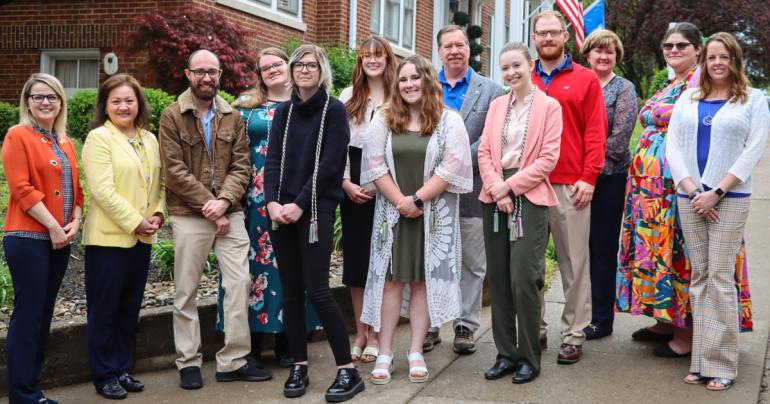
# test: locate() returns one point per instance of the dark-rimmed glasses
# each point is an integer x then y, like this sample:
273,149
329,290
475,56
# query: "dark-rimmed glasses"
38,98
201,73
274,66
311,66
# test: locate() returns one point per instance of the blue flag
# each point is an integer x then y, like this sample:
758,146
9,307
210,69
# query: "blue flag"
593,17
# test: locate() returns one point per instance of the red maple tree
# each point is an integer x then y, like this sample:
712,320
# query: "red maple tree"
169,37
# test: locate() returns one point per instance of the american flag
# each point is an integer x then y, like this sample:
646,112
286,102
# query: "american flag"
573,10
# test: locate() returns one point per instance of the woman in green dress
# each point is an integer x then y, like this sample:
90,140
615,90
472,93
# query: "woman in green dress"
265,308
417,156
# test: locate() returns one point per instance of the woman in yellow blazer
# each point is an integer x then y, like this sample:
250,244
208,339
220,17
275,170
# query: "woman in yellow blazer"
123,171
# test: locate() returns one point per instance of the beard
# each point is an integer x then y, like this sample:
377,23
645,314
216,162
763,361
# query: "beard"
205,94
550,52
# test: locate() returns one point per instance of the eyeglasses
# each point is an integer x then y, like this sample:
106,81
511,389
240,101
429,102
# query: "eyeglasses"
201,73
680,46
38,98
311,66
553,33
276,65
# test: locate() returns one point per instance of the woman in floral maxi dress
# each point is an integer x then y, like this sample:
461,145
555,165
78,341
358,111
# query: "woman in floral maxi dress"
653,275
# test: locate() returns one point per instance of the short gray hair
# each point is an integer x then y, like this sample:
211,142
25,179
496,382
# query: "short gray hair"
325,69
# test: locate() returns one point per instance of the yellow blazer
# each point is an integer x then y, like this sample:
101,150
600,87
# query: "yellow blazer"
120,196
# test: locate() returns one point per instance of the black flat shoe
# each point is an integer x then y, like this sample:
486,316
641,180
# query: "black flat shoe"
524,374
113,391
130,383
247,373
499,369
593,331
346,385
645,335
665,351
190,378
297,383
286,361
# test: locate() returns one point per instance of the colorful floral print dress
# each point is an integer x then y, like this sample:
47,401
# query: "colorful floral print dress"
265,295
653,276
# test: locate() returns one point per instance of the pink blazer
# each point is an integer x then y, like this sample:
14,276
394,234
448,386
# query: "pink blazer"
541,150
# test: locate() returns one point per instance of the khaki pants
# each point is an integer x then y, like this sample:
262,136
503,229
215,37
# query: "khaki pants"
711,248
474,268
193,239
571,228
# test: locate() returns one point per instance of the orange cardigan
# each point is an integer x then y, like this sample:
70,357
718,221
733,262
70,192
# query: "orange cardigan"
34,174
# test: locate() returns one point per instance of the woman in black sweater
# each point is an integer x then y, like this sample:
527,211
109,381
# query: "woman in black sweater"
303,186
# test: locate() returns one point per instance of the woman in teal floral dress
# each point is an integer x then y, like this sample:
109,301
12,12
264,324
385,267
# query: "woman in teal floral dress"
265,297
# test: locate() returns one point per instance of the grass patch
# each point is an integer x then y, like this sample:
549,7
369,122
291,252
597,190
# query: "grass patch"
551,266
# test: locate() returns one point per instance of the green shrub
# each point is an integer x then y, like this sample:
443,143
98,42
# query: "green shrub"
341,58
656,81
9,116
159,100
226,96
6,286
162,257
80,111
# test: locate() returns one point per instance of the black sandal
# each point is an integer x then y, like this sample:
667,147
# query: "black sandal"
665,351
645,335
697,380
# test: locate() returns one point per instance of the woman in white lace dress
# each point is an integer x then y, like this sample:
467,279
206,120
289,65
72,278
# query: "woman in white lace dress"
418,158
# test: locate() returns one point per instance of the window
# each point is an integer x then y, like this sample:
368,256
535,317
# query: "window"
285,12
394,20
77,69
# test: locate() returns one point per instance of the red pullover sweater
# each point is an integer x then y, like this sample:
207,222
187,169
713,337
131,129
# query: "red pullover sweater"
584,133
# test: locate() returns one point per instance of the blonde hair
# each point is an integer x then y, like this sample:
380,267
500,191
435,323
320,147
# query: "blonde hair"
602,38
25,118
739,83
325,70
258,95
396,112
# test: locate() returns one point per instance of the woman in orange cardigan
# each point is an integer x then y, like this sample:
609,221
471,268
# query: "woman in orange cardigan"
43,218
518,150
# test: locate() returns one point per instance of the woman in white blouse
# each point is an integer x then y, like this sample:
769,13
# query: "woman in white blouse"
417,156
717,135
373,78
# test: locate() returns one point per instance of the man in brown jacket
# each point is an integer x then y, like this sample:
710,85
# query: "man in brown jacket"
205,157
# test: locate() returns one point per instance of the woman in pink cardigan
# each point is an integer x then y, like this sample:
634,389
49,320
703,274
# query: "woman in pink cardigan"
518,150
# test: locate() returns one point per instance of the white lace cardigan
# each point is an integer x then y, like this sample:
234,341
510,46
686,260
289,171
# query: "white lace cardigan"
738,138
448,155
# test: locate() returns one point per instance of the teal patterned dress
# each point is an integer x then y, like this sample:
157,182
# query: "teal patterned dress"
265,294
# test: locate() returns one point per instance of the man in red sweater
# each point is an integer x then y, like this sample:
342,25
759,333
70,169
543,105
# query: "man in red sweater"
580,161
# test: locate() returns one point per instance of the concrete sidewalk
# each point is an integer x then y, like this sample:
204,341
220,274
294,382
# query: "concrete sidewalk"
614,369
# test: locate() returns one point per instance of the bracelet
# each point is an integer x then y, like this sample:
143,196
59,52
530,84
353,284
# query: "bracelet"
693,194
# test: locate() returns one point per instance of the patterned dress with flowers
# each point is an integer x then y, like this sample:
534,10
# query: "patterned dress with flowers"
265,295
653,276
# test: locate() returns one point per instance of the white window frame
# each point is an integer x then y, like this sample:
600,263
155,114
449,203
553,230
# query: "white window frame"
48,58
399,48
270,13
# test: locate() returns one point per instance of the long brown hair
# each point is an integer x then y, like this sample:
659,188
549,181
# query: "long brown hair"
257,96
739,83
356,105
396,112
100,115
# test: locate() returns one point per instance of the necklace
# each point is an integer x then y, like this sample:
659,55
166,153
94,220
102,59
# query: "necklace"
709,118
515,227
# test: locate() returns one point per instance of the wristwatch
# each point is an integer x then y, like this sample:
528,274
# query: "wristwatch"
719,191
417,201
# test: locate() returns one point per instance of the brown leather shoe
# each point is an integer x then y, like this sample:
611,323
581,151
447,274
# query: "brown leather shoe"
569,354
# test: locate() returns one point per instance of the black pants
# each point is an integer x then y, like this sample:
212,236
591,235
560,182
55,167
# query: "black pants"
606,216
304,267
115,281
37,271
